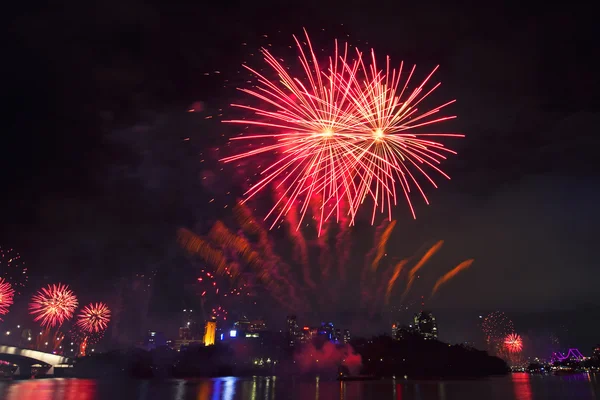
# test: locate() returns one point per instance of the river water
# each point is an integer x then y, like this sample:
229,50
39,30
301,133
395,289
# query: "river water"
516,386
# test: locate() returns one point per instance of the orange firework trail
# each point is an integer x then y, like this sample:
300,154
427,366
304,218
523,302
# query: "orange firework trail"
344,134
385,236
300,249
395,275
222,236
420,264
451,274
196,245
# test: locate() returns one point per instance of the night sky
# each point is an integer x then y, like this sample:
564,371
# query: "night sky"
97,176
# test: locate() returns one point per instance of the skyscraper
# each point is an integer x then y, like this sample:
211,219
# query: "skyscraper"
292,329
395,328
425,325
346,336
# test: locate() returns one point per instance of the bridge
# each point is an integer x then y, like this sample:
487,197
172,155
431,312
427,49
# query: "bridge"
573,354
25,359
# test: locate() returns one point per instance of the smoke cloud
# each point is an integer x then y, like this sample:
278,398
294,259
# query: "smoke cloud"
328,358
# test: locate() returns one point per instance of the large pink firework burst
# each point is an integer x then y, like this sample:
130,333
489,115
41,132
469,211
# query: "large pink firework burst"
513,343
392,154
342,135
53,305
6,296
94,318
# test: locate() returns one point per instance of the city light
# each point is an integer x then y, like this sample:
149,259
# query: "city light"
232,333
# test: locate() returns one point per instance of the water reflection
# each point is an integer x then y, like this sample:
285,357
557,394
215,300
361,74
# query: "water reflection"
513,387
50,389
522,386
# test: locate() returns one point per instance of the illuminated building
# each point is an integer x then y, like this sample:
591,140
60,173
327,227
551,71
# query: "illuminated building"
154,339
338,335
292,329
327,330
242,325
596,353
185,333
210,330
304,336
346,336
257,326
425,325
395,328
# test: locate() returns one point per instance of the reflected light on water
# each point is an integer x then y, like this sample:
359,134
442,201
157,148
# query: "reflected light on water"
204,390
229,388
180,390
46,389
442,391
522,386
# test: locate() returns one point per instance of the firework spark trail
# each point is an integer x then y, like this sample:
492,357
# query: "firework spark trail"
222,236
300,248
366,277
342,244
225,238
7,295
280,287
13,269
194,244
381,246
372,254
496,326
272,261
251,226
53,305
451,274
419,265
325,257
397,269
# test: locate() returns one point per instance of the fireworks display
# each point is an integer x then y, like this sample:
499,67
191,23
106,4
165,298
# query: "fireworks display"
342,135
53,305
496,327
513,343
6,296
93,318
13,269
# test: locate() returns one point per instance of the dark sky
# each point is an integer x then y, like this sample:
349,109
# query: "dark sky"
96,176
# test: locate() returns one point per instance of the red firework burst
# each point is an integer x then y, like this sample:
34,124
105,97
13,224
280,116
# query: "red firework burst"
53,305
342,136
513,343
93,318
6,296
391,153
